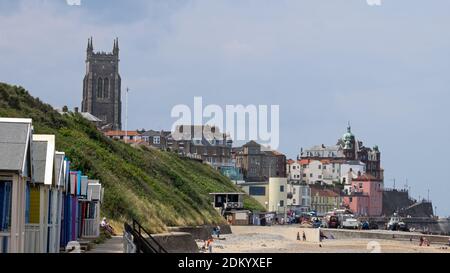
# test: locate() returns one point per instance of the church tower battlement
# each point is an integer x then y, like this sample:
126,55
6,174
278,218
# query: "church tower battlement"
102,86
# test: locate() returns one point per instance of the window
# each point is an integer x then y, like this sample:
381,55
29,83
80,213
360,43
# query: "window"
100,88
156,140
360,185
310,175
324,167
106,88
320,176
281,188
5,205
294,201
304,175
281,203
320,167
257,191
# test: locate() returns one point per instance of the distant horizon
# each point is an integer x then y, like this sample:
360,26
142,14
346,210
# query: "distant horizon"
323,62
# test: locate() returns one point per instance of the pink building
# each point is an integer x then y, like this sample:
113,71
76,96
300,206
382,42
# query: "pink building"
366,196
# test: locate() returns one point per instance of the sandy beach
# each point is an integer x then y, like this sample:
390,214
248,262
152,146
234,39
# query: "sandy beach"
283,239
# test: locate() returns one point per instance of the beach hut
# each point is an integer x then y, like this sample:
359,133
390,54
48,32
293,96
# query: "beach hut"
74,190
56,204
66,210
90,209
15,174
39,194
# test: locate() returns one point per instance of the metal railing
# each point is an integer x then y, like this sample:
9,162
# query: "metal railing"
143,240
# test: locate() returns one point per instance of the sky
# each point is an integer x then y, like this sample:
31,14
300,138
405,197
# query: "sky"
385,68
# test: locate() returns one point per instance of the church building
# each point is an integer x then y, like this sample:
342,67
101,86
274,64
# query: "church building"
102,87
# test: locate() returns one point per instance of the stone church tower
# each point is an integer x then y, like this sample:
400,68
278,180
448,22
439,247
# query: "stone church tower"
102,86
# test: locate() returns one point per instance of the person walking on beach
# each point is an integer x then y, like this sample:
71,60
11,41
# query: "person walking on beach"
209,245
304,236
218,232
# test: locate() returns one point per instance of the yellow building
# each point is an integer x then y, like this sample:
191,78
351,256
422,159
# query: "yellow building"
272,194
324,200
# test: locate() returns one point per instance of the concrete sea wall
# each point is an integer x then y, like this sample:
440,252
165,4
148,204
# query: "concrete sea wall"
201,232
382,235
177,242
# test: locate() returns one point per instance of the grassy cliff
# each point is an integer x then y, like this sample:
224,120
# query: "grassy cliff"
157,188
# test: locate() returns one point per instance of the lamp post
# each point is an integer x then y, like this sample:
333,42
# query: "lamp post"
126,115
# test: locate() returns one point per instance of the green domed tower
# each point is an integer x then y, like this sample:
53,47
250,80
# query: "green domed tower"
349,142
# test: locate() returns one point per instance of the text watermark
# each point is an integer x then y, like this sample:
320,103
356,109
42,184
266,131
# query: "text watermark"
239,122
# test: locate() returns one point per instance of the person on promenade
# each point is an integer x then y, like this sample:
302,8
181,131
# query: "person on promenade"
106,226
304,236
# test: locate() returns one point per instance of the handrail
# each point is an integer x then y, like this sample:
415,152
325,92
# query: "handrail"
149,236
143,244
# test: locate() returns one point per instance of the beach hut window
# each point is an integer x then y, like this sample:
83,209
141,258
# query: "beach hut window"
5,205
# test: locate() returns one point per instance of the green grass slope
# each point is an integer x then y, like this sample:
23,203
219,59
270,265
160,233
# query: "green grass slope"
157,188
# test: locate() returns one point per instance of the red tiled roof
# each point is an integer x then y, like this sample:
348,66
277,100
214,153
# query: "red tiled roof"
304,161
323,192
122,133
366,177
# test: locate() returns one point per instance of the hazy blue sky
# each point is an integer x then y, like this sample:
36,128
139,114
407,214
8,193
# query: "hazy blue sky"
386,68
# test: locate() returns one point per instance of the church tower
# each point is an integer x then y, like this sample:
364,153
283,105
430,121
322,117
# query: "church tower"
349,142
102,86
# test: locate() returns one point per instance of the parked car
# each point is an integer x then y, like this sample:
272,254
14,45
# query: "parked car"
350,223
333,222
396,224
316,222
373,225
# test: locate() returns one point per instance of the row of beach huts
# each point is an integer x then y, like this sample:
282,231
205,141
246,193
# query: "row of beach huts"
44,203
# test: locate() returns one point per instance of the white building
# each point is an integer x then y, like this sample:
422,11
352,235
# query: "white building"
299,197
293,171
330,171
